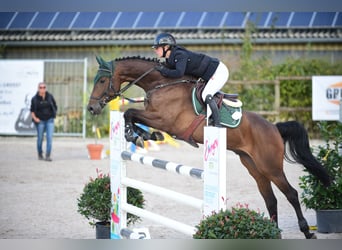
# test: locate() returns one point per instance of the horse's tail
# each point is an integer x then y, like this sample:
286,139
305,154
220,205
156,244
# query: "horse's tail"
296,136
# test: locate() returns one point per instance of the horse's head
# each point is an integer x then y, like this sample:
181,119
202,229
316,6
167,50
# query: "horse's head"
110,75
103,90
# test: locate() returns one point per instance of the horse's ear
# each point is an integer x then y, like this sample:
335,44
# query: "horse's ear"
98,59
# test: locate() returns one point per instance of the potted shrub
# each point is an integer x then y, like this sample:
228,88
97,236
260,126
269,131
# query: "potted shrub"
326,201
95,204
238,223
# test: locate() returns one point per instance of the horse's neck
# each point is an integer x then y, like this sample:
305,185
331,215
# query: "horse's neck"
133,71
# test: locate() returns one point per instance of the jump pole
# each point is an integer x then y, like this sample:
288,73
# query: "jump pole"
213,175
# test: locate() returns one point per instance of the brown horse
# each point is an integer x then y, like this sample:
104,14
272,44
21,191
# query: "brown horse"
168,107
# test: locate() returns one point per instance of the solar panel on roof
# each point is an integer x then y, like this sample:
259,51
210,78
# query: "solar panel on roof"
42,20
169,19
301,19
148,19
212,19
190,19
151,20
235,19
279,19
339,20
323,19
105,20
126,20
22,20
84,20
258,18
6,17
63,20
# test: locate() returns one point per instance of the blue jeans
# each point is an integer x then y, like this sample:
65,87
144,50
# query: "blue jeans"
48,127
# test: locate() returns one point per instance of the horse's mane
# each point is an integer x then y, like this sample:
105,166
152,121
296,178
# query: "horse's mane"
148,59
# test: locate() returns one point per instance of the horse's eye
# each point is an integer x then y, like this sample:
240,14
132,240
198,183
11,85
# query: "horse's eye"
102,81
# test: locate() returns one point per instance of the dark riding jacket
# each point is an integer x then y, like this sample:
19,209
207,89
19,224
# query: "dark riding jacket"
184,62
44,109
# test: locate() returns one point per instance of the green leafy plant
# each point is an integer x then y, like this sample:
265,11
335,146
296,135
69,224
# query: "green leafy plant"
315,195
238,223
95,201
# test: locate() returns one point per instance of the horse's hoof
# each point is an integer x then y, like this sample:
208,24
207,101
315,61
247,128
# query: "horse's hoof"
139,142
157,136
313,236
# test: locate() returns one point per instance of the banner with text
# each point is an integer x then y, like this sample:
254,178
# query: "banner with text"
18,84
326,97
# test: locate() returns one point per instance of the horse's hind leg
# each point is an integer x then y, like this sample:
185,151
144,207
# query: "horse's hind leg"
264,186
278,177
292,196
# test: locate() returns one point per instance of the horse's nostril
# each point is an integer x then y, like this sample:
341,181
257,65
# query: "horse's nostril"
90,109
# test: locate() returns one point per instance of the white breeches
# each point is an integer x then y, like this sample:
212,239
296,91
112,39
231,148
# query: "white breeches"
215,83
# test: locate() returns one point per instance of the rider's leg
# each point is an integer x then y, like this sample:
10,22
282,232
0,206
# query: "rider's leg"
215,83
209,100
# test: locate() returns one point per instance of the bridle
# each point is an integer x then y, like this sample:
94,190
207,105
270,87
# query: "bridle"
108,98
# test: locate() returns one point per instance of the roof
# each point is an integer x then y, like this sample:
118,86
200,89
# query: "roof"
95,28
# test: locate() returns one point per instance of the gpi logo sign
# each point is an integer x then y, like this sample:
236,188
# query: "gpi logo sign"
334,93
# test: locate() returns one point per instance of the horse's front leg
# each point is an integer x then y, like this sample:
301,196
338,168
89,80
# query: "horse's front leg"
130,130
136,134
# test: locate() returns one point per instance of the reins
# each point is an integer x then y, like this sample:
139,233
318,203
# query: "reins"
163,85
130,84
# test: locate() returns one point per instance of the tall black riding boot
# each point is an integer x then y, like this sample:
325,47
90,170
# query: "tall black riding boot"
214,109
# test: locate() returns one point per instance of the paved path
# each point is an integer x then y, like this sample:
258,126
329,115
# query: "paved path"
39,199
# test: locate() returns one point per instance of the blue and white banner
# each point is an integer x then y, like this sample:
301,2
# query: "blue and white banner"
326,97
18,84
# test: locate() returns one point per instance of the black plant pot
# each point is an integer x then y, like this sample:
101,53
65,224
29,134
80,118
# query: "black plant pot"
329,221
102,230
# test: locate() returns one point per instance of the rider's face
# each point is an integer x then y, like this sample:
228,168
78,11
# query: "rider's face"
159,51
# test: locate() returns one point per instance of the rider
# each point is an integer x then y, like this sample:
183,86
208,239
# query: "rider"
180,61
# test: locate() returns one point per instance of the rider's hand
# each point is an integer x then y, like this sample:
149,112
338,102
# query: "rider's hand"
159,68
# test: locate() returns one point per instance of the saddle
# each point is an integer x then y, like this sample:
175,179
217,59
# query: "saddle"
220,97
229,108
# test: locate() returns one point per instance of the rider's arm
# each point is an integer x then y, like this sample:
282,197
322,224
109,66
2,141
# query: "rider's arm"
177,65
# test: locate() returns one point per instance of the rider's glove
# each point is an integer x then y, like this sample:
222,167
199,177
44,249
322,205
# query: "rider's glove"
159,68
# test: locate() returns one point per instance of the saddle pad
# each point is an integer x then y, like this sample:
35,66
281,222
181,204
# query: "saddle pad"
229,116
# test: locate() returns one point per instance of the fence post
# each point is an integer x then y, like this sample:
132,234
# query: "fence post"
214,162
117,172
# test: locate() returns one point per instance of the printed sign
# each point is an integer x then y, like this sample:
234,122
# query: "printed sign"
18,84
326,97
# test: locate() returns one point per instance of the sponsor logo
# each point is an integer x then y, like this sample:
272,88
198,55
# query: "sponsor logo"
334,93
210,148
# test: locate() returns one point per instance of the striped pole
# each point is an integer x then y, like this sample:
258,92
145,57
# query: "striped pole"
165,165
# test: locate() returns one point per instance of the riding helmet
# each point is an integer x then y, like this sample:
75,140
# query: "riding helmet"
164,39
